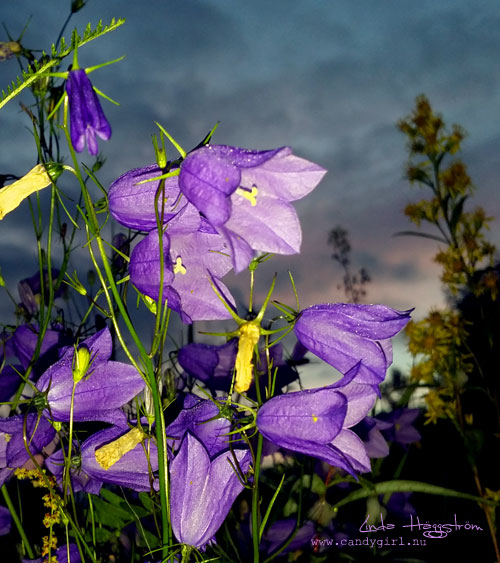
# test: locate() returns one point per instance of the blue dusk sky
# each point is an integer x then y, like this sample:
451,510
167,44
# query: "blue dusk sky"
328,77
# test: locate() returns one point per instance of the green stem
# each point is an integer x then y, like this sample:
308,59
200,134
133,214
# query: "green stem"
17,522
256,500
146,360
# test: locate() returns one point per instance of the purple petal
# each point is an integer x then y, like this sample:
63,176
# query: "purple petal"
338,340
144,265
207,180
284,176
315,416
106,387
132,470
271,225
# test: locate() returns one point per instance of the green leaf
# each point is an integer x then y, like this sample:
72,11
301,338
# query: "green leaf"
397,486
111,515
418,234
456,213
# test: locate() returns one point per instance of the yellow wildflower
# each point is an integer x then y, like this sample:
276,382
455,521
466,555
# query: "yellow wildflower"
13,194
249,336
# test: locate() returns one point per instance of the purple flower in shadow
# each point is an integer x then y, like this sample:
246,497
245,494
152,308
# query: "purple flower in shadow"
401,429
86,116
344,334
13,453
62,555
369,430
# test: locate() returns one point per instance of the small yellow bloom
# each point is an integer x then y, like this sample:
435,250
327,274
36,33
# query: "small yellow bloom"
249,336
13,194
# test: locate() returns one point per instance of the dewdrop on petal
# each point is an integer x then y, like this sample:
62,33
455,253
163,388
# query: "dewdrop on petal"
249,336
13,194
108,455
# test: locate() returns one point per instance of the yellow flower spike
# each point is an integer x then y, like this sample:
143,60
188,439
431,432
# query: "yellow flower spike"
249,336
13,194
108,455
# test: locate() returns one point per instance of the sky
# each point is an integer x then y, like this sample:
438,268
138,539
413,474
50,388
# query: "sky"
328,78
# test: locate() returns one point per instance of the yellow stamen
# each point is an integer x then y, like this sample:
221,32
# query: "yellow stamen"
108,455
13,194
315,418
249,336
251,196
179,268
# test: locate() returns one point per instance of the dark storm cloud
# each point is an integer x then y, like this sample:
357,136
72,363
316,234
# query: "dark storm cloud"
328,78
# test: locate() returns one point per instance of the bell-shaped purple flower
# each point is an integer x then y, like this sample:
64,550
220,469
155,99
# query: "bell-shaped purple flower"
86,116
400,426
214,365
194,258
245,195
343,334
104,387
277,534
202,490
369,430
133,204
316,422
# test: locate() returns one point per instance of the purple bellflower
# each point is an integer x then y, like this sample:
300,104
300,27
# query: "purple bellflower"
104,387
194,258
202,490
277,534
13,454
5,521
214,365
401,429
316,422
86,116
246,194
343,334
369,430
133,204
62,555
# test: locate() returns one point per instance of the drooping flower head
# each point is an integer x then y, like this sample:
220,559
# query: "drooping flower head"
317,422
86,116
246,194
343,334
202,490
